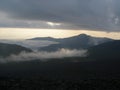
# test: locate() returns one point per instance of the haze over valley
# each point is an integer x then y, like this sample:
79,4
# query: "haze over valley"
67,47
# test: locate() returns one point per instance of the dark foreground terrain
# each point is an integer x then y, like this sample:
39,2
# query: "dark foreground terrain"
47,84
60,75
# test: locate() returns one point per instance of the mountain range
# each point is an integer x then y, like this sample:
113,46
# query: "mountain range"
81,41
102,61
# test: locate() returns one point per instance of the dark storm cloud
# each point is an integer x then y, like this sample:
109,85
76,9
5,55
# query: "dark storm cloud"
73,14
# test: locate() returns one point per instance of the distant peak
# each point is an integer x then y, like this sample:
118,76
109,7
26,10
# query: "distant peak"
84,35
48,37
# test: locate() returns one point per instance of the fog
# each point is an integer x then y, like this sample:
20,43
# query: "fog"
32,44
44,56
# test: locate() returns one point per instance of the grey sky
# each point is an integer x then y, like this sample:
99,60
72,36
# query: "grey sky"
64,14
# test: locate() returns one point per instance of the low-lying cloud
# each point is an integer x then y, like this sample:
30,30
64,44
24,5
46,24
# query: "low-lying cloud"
32,44
43,56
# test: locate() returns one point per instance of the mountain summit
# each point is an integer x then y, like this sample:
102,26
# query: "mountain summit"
81,41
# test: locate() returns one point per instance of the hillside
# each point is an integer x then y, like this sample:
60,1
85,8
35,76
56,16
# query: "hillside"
8,49
109,51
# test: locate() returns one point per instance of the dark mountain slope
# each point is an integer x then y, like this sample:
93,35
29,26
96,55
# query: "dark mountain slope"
8,49
109,51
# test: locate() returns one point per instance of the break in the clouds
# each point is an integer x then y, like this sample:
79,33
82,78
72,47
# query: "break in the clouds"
64,14
43,56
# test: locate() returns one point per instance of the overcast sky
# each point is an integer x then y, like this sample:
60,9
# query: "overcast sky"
61,14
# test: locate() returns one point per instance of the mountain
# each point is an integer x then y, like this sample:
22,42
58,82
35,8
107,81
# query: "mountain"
8,49
81,41
106,51
45,38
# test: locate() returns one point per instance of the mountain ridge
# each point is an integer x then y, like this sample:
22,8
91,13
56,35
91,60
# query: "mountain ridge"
81,41
59,39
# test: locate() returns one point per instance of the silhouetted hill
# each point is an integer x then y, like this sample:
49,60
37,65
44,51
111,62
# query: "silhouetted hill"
8,49
81,41
106,51
45,38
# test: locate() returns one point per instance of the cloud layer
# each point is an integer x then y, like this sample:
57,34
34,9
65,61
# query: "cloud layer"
70,14
43,56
